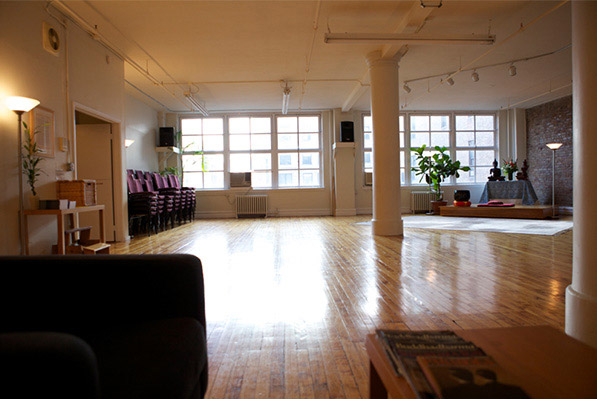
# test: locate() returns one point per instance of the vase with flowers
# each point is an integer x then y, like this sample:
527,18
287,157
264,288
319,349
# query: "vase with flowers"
509,167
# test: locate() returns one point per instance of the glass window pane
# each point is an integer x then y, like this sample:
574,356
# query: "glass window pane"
213,143
192,163
440,122
466,158
262,161
465,122
484,122
402,176
481,174
214,180
191,126
287,124
238,125
287,141
401,123
193,179
485,158
288,160
485,139
309,160
191,143
240,142
465,139
368,160
308,124
367,124
213,126
261,141
214,162
308,141
288,178
466,177
240,162
309,178
368,140
402,158
441,139
261,125
419,123
401,140
261,179
418,139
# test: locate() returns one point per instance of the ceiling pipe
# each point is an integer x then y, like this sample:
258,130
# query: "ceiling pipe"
537,96
406,38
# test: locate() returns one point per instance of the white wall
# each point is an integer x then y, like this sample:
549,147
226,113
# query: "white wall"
141,125
94,81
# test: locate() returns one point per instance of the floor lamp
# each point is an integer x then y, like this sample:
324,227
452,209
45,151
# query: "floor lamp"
553,147
21,105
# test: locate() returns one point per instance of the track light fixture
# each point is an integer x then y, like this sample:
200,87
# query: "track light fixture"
475,76
195,104
512,70
450,81
425,4
406,88
285,98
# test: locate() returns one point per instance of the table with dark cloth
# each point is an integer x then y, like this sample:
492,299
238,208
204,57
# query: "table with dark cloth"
518,189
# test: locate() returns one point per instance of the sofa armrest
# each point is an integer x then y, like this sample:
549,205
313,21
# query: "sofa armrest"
76,294
48,365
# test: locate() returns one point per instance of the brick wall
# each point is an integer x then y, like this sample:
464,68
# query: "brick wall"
549,123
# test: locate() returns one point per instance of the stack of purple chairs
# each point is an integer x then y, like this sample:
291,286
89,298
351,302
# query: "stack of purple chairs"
188,211
143,205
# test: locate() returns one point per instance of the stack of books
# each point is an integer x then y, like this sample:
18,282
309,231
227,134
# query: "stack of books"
442,365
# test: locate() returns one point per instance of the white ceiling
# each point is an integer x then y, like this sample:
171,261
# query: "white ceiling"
233,54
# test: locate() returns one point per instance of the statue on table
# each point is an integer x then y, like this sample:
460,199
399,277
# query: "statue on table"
495,173
522,175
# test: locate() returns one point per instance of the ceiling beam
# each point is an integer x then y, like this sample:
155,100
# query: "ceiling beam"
357,91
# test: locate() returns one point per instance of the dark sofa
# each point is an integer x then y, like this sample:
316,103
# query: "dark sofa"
103,326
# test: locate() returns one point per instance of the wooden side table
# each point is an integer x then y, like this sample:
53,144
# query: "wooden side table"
546,362
60,213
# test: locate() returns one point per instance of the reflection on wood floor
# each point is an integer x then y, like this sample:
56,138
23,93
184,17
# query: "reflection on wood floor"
290,300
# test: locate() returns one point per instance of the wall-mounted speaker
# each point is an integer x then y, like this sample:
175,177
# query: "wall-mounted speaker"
347,132
167,137
50,39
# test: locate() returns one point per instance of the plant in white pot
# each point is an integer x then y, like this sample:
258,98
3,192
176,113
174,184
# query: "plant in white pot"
31,160
435,167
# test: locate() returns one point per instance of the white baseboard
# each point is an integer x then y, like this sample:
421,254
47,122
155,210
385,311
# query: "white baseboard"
304,212
364,211
346,212
215,215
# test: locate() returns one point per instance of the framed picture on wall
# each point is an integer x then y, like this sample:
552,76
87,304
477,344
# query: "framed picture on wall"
42,122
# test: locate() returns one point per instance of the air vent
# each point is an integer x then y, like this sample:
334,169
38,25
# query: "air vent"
51,39
368,178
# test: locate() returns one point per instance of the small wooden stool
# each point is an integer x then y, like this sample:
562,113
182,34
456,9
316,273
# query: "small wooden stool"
99,248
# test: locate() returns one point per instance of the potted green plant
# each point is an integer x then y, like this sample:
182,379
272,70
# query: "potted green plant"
31,160
435,168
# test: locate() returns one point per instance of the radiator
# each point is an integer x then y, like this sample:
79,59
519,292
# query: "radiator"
420,201
251,205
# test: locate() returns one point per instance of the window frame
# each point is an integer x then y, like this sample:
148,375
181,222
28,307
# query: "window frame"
274,151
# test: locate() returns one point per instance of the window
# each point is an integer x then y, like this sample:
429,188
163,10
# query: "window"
475,146
299,152
204,170
280,151
368,146
250,148
469,138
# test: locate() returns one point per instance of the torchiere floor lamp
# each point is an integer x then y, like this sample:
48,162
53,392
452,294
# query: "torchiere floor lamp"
21,105
553,147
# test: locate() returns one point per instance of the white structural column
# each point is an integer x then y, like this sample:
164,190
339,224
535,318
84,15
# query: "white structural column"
581,295
386,158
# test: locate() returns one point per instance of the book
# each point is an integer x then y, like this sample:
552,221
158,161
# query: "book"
403,347
470,378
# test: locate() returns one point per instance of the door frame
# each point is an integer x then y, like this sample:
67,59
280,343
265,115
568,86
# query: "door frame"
118,178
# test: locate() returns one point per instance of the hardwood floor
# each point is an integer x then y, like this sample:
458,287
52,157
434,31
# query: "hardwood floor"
290,300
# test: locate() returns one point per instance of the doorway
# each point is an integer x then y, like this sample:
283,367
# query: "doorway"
95,161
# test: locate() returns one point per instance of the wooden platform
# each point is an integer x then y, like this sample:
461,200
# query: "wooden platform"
515,212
